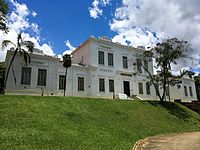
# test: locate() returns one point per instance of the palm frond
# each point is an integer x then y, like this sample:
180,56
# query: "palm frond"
29,45
27,58
5,43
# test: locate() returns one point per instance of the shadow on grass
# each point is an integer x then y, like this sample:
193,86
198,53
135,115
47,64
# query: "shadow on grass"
173,109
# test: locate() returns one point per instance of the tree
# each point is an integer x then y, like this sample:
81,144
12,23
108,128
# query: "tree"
66,64
20,47
165,54
3,12
2,76
197,85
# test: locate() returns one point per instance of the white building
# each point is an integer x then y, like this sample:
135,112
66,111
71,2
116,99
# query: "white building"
100,68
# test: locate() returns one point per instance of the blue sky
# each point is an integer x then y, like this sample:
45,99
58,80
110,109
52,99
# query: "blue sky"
60,27
67,20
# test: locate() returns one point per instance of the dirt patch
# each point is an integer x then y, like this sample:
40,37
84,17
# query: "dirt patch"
182,141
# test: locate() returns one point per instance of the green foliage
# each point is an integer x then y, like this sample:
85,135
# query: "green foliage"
165,54
20,47
3,12
197,85
30,122
2,76
67,60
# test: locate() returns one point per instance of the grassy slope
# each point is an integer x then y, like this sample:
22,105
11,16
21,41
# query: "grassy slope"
81,123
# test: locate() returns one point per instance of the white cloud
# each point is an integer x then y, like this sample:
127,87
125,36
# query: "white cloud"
96,10
71,48
69,51
138,21
68,44
34,14
34,28
18,21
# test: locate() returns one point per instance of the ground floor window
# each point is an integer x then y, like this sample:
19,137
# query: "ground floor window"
190,89
140,86
42,75
61,82
26,76
101,85
80,83
148,88
167,90
185,91
111,85
157,89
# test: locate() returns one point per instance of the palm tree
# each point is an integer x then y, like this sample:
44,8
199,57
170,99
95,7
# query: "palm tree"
20,47
66,63
4,8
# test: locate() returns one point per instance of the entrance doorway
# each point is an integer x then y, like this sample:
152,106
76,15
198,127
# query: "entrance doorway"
127,88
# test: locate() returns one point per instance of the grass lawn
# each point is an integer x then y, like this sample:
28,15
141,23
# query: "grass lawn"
28,122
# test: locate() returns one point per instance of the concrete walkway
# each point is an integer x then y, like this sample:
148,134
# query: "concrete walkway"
182,141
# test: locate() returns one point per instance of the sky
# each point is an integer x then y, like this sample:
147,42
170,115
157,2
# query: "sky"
58,27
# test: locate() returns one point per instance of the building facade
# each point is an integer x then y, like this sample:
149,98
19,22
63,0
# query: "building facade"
100,68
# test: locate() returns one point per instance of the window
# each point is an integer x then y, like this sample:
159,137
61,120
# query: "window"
101,85
146,65
157,87
111,85
125,62
61,82
167,90
42,75
139,66
26,76
185,90
148,88
101,57
190,89
110,59
80,83
140,85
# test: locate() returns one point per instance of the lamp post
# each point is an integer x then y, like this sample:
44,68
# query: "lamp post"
66,63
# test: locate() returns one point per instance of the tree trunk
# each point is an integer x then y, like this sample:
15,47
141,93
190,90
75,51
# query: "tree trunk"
8,70
65,81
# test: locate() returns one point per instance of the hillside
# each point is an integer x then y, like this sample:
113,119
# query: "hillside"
28,122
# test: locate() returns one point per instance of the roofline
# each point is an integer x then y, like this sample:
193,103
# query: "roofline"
80,46
91,38
37,55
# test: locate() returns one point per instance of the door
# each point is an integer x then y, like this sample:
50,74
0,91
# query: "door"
127,88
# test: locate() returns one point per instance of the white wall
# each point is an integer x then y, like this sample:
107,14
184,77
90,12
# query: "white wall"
91,71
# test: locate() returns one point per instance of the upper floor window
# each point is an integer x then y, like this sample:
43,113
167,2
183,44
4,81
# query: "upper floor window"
42,75
148,88
185,91
110,59
101,57
111,85
140,86
190,89
146,65
125,62
80,83
102,85
61,82
139,65
26,76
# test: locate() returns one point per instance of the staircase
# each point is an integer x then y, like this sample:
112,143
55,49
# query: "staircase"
195,105
135,97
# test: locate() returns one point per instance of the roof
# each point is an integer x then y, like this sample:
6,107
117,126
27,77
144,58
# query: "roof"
106,41
36,55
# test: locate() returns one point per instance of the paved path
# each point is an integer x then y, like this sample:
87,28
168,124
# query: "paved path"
182,141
